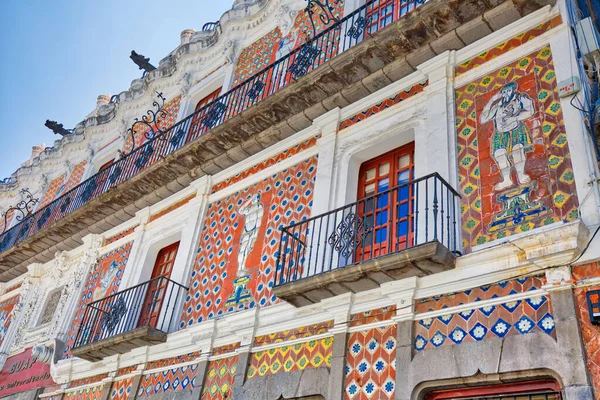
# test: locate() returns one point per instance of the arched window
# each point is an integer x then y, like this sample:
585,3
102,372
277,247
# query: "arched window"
532,390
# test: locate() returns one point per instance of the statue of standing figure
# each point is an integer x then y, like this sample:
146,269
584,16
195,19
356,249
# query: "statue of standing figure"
252,210
511,138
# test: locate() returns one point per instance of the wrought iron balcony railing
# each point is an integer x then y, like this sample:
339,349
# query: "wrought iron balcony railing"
421,211
341,35
152,304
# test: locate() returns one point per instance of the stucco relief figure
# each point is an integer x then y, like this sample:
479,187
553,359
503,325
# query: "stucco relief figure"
106,280
253,211
511,138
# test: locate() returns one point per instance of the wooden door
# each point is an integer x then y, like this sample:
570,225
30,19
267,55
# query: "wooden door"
387,208
196,127
157,289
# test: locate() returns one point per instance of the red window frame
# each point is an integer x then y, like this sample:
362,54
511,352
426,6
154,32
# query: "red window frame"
196,127
509,389
157,288
384,12
393,210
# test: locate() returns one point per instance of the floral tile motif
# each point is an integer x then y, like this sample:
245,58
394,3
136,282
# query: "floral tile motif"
274,45
311,354
512,318
219,379
228,348
265,206
514,176
501,289
172,207
505,47
170,380
89,393
119,235
375,315
170,112
266,163
297,333
387,103
121,389
371,364
103,280
6,315
590,333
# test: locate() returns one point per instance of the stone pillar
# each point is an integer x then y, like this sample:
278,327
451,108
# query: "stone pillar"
575,378
242,367
135,386
323,198
200,376
339,306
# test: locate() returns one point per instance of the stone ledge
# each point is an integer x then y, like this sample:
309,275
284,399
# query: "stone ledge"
421,260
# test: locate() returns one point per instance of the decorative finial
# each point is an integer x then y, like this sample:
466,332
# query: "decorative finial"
57,128
141,61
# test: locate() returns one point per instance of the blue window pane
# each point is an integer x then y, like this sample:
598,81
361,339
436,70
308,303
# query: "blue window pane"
403,193
384,184
382,201
402,210
382,217
403,177
381,235
402,228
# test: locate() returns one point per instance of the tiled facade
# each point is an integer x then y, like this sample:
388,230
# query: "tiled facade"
220,378
170,380
502,195
370,371
214,287
6,315
103,280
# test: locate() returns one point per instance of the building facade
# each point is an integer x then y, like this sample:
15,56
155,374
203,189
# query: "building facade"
346,200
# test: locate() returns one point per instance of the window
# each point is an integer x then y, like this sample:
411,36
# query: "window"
159,285
197,128
383,12
534,390
383,210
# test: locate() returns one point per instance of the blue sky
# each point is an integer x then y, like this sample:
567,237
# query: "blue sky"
58,56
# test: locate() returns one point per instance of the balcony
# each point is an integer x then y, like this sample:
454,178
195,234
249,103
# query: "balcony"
410,230
345,62
139,316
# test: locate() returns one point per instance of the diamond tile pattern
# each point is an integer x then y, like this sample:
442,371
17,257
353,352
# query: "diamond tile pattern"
489,213
285,197
375,315
219,379
483,323
265,50
371,364
170,380
311,354
103,280
89,393
54,188
387,103
121,389
291,334
119,235
590,333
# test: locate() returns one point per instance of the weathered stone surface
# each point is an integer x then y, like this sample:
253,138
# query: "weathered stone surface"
295,384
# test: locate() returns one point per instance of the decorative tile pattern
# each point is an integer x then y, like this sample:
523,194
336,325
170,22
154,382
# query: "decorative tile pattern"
505,288
54,188
228,348
121,389
266,163
166,362
387,103
103,280
74,178
279,199
88,380
89,393
6,222
311,354
512,318
274,46
170,380
590,333
515,174
172,207
371,364
375,315
297,333
6,315
219,379
505,47
126,370
170,110
119,235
